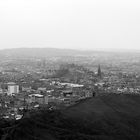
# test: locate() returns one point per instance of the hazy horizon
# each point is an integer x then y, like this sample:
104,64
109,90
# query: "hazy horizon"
76,24
77,49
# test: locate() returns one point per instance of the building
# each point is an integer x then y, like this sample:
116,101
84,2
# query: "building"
26,88
66,93
1,91
41,89
13,88
38,98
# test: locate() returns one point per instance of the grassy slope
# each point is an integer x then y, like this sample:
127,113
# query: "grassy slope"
106,117
112,116
106,105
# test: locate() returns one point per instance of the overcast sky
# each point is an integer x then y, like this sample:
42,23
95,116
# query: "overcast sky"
76,24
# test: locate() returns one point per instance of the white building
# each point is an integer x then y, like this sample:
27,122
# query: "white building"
1,91
12,88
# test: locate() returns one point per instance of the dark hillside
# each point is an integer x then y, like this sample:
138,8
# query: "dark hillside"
109,117
112,105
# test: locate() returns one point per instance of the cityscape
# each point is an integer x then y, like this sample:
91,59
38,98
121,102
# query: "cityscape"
36,84
69,70
52,83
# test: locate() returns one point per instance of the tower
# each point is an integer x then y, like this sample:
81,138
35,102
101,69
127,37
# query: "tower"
99,72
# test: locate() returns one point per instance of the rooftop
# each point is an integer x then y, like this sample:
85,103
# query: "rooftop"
36,95
11,83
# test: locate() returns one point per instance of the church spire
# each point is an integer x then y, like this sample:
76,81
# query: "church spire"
99,71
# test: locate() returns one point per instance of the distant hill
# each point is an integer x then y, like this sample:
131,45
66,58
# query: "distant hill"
40,52
51,52
112,117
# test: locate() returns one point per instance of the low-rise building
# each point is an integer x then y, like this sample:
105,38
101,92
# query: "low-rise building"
41,99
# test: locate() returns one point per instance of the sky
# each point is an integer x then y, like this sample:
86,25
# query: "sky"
72,24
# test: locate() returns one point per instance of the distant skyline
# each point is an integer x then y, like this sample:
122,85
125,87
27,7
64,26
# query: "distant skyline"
75,24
